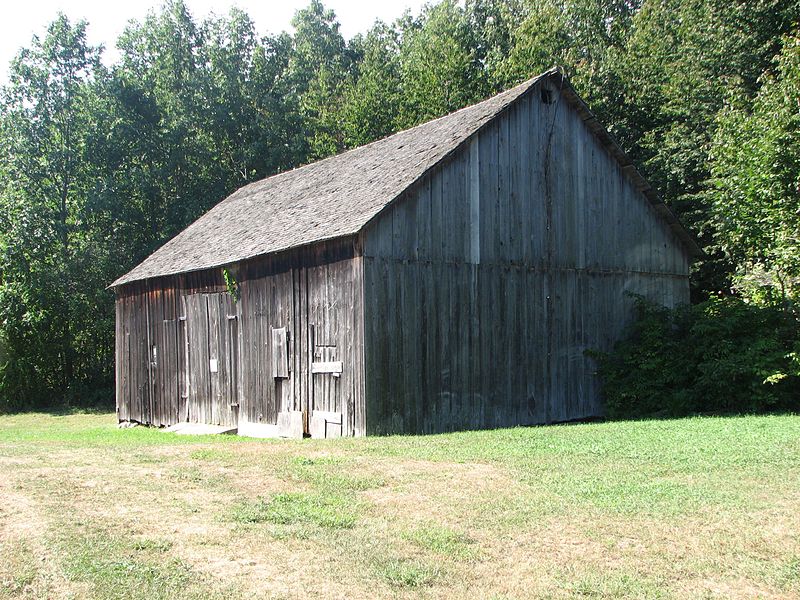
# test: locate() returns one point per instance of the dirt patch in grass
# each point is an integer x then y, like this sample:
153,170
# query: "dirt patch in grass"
416,488
18,514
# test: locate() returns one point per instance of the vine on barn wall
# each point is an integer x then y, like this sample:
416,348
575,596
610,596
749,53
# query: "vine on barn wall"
231,284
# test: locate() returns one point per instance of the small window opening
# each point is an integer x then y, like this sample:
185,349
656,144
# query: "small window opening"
548,97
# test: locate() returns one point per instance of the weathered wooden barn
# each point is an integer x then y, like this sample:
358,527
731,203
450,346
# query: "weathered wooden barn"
450,276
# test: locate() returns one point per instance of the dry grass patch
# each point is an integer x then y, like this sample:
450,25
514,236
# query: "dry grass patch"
21,573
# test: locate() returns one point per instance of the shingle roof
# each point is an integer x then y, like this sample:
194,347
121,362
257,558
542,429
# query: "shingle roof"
337,196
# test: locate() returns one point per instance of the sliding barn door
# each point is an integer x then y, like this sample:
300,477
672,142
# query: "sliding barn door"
212,327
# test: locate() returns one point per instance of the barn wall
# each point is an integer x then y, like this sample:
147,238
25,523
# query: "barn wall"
488,281
152,388
314,292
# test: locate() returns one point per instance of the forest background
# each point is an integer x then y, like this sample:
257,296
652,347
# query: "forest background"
101,164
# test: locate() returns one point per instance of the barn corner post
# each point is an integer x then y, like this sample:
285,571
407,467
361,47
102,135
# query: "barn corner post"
119,356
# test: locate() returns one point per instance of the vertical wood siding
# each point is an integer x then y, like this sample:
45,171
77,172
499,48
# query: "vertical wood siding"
486,284
315,293
151,347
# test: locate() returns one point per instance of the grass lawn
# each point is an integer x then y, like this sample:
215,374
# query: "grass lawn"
693,508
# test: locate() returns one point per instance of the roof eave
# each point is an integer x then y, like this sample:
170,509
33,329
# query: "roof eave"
124,280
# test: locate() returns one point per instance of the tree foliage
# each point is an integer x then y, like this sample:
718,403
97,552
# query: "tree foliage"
756,193
318,66
439,68
101,164
372,95
680,61
52,279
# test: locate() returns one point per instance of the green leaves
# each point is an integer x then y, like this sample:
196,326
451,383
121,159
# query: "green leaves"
47,292
319,62
100,166
439,66
680,62
373,95
720,356
756,183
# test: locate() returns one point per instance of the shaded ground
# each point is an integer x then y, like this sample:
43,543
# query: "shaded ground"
661,509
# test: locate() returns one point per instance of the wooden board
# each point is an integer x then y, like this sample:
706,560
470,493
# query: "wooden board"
327,367
280,358
213,349
325,424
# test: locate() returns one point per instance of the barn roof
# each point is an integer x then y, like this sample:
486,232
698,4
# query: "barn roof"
338,196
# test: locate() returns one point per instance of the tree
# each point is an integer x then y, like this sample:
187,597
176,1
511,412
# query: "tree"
439,67
49,281
372,95
755,164
493,23
318,68
162,83
578,35
680,62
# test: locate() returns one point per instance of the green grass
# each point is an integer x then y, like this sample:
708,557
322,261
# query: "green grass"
198,476
700,507
326,511
214,455
787,573
669,467
578,584
406,573
88,430
327,473
442,541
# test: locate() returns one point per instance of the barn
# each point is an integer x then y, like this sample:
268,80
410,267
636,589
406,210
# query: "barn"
450,276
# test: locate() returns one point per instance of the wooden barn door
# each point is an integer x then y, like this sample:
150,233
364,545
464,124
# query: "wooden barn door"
326,389
212,327
325,359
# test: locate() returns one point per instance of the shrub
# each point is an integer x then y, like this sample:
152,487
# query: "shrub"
720,356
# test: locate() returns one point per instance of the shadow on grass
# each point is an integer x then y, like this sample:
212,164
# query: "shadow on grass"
669,416
64,411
